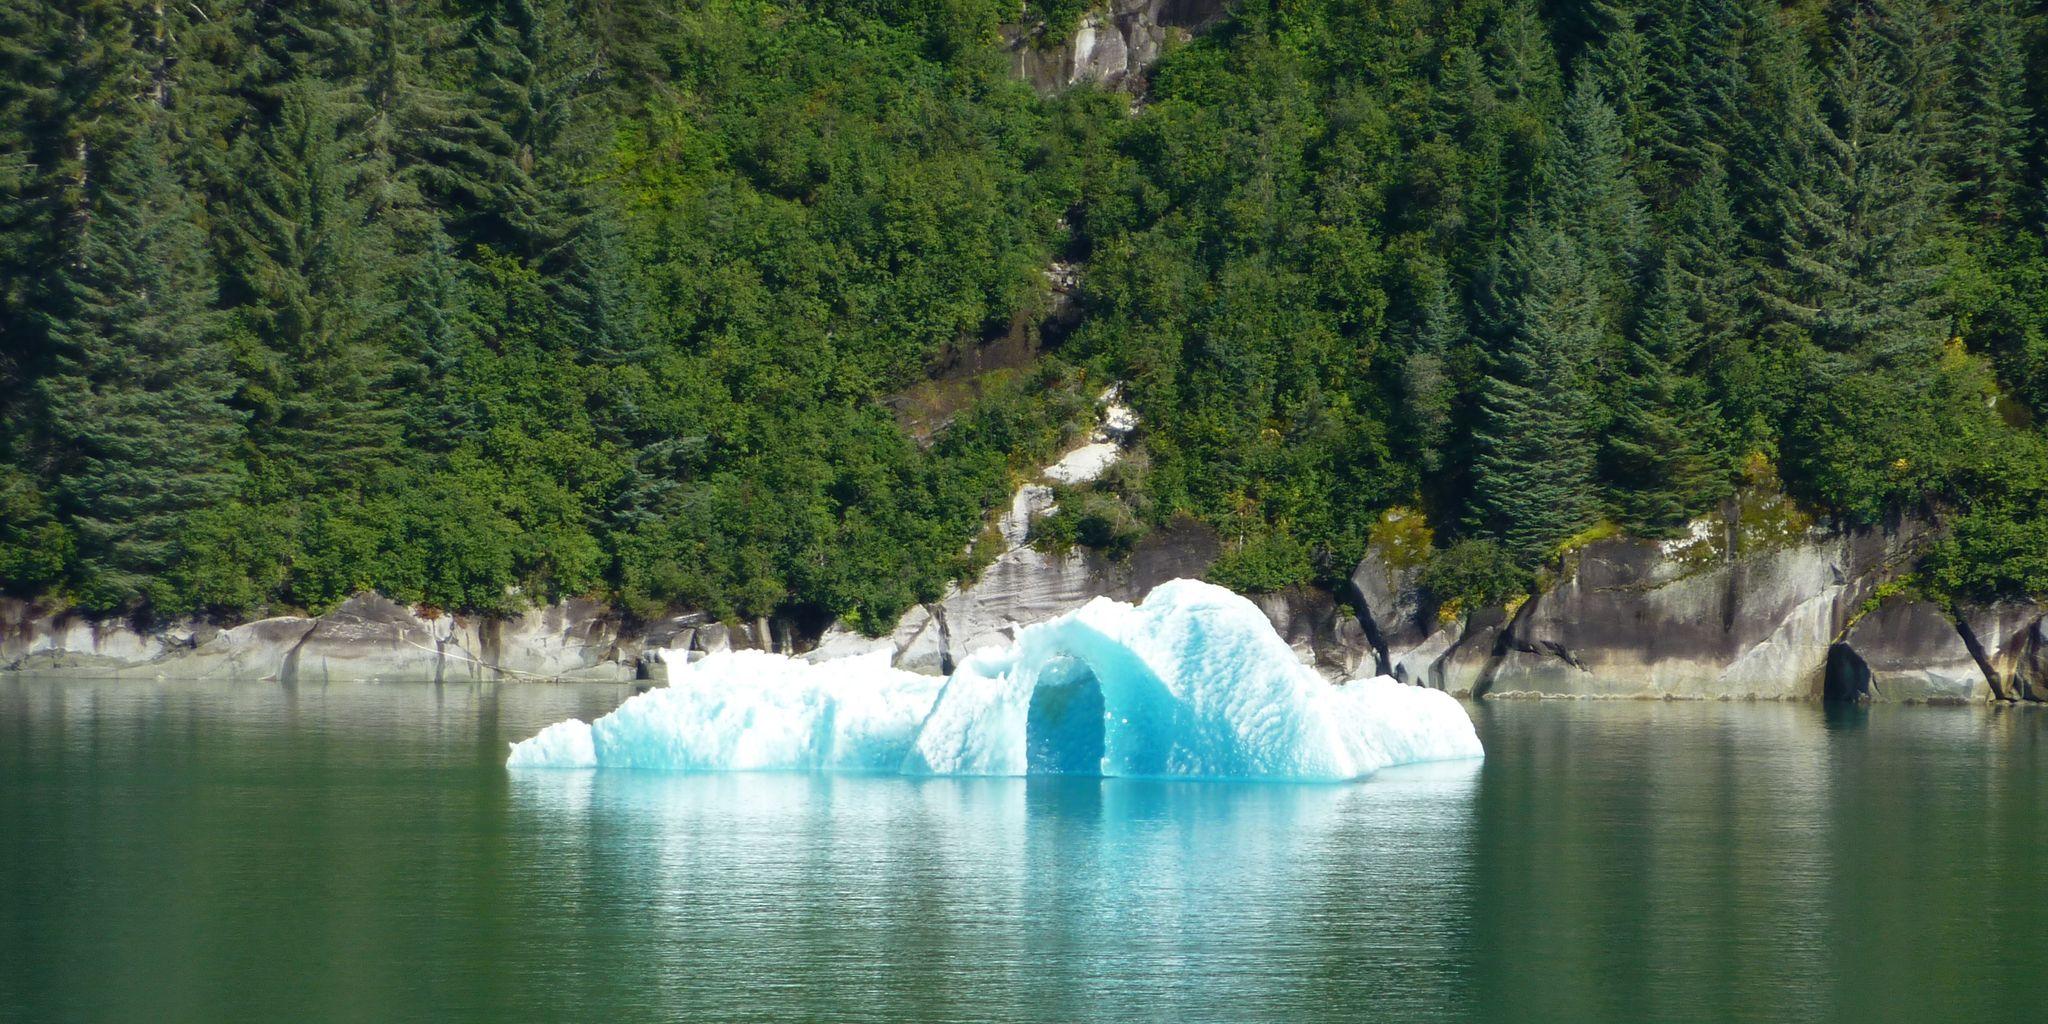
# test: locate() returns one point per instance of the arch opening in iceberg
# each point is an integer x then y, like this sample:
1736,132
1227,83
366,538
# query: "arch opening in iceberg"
1192,683
1063,727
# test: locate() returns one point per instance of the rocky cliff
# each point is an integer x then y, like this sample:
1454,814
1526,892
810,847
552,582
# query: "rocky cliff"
367,637
1026,584
1756,602
1114,45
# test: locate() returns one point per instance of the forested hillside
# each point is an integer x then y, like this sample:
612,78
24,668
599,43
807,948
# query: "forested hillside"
481,303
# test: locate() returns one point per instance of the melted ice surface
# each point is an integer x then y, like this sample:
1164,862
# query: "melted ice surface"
1191,683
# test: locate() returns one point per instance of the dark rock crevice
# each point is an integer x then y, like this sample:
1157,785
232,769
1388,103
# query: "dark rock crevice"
1847,677
288,670
1503,643
1983,659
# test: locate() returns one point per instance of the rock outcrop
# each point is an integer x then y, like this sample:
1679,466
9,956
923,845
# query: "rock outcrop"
1905,650
1755,602
368,636
1115,44
1395,612
2010,644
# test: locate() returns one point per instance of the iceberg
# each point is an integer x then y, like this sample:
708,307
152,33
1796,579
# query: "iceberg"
1191,683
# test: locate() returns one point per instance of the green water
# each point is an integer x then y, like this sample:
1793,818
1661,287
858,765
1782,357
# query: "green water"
183,852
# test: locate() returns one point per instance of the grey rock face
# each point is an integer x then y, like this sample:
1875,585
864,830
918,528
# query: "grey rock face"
373,637
1905,651
1629,620
1025,585
1459,658
59,641
1114,45
2010,644
368,637
572,639
1754,604
1396,614
1324,633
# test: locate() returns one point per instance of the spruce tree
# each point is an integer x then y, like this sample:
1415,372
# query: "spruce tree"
1926,41
1854,270
1767,122
1588,192
70,76
1987,150
1534,476
1707,269
1706,245
1523,65
1426,381
1693,93
1659,453
309,276
524,168
135,405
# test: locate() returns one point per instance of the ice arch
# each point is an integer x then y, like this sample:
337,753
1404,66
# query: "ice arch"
1191,683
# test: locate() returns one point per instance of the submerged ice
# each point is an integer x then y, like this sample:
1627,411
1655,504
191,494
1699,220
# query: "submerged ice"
1193,683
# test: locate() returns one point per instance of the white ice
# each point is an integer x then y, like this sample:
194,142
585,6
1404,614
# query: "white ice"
1191,683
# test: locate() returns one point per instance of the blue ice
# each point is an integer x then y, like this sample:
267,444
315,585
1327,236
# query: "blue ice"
1191,683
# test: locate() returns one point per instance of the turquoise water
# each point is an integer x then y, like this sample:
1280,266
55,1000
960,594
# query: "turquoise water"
183,852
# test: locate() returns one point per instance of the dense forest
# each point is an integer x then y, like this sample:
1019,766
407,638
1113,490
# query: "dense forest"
484,302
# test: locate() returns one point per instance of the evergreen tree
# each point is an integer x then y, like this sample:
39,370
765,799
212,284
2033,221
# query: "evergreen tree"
1693,93
1659,452
1589,193
525,166
1717,285
135,405
526,132
1926,43
1767,124
1854,270
1618,66
1534,476
1988,145
70,76
1427,385
1707,267
1523,65
309,278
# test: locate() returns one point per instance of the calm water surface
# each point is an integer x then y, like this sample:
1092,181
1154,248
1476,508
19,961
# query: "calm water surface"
182,852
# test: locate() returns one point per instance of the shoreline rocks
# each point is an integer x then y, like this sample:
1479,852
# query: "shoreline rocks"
1755,602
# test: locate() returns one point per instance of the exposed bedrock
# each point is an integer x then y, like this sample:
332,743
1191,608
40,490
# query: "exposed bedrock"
1115,43
367,637
1905,650
1753,603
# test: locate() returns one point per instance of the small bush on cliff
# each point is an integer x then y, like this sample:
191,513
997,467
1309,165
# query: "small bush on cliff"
1474,573
1263,564
1091,518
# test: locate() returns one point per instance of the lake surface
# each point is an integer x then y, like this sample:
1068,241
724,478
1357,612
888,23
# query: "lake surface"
193,852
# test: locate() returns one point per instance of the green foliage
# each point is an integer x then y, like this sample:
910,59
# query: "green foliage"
1090,518
35,548
482,302
1662,451
1263,564
1534,478
1473,574
134,402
